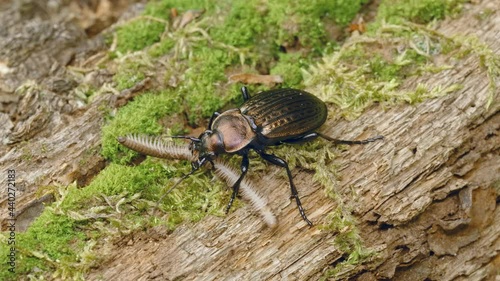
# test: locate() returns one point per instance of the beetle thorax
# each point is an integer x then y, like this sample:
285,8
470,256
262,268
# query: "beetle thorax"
233,131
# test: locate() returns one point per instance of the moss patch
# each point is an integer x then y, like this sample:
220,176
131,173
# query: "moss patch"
139,116
50,240
230,34
139,34
348,242
119,200
129,73
423,11
373,67
289,66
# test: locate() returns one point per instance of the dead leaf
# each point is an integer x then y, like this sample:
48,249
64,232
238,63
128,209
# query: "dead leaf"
186,18
250,78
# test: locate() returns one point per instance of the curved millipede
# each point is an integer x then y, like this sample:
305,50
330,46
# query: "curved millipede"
156,147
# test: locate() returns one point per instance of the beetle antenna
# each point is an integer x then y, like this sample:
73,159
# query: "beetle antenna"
172,188
195,166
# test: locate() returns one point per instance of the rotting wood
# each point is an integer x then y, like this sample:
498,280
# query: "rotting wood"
425,196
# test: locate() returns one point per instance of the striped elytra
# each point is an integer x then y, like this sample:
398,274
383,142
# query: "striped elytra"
285,113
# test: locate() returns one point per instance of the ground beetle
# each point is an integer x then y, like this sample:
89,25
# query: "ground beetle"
270,118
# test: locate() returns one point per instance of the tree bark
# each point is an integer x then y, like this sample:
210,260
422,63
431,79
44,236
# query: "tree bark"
426,198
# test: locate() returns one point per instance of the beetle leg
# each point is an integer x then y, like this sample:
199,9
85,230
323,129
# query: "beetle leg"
282,163
302,139
244,93
212,119
350,141
236,185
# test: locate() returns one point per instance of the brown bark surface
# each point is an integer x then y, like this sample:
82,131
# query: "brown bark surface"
426,198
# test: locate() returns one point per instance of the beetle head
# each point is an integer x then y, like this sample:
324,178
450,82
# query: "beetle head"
211,144
205,148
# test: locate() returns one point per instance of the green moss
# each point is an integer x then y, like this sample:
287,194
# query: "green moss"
230,33
191,201
143,31
488,59
422,93
139,116
129,74
241,25
289,68
382,69
161,12
372,68
348,241
343,12
264,27
50,238
147,178
118,200
314,156
138,34
419,11
161,48
201,92
307,21
162,8
196,197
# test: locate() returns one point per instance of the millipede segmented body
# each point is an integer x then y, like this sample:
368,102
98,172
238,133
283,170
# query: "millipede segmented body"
156,147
